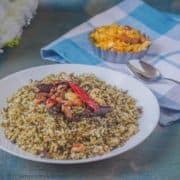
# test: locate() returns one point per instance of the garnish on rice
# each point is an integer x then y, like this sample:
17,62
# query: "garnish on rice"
63,96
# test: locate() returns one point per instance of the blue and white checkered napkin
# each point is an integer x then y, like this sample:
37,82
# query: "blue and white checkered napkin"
164,31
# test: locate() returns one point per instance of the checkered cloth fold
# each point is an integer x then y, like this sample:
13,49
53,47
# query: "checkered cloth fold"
162,28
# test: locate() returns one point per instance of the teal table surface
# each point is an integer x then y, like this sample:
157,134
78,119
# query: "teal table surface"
156,158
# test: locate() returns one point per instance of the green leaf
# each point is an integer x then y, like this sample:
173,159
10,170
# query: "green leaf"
15,42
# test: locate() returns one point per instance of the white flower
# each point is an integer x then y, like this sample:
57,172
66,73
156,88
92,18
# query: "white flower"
14,15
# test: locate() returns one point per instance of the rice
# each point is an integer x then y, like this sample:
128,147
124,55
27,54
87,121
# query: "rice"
34,130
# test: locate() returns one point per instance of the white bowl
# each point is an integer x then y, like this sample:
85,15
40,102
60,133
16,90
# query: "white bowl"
143,95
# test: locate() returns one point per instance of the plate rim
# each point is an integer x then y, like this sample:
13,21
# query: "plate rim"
88,160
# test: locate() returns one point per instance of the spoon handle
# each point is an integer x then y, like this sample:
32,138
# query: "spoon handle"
178,82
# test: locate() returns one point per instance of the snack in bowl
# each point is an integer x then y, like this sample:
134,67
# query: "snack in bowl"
67,116
118,43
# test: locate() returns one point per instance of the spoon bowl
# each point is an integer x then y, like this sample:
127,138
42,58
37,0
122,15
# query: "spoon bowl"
146,71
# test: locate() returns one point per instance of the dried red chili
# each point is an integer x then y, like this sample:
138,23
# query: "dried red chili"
85,97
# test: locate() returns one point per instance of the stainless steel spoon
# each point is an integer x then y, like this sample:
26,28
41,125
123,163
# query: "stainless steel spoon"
146,71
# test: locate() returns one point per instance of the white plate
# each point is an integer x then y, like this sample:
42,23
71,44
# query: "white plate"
143,95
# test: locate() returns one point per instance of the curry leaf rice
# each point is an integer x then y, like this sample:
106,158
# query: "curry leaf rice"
29,123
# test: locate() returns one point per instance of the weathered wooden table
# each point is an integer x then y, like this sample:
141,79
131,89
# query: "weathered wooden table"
157,158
